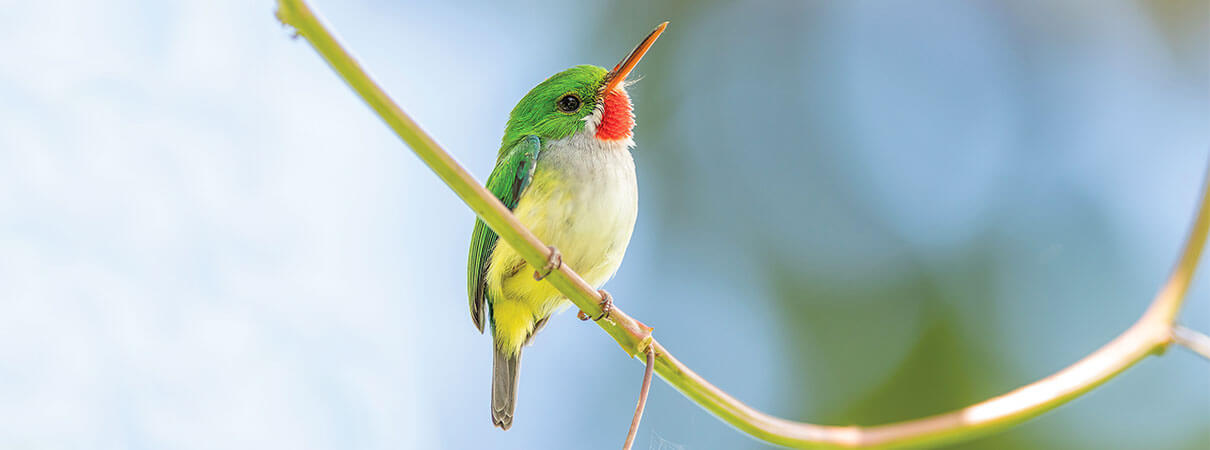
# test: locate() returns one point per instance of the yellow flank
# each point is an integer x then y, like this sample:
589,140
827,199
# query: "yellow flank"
521,301
587,215
518,300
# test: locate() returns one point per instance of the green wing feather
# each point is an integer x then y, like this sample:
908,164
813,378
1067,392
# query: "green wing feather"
513,172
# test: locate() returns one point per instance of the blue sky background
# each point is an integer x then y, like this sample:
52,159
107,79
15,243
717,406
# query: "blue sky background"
851,212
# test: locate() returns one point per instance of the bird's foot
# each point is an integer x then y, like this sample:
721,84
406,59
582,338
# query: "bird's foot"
553,263
606,307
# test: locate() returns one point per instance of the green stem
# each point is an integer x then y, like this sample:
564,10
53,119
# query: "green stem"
1150,335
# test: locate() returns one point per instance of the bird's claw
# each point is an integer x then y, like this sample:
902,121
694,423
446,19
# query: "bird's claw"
553,262
606,307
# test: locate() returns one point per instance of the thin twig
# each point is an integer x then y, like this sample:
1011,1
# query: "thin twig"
1150,334
1192,340
638,410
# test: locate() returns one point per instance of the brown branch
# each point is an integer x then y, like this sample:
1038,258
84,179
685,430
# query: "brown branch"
638,410
1149,335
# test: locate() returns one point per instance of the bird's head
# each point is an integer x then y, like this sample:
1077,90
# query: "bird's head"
583,99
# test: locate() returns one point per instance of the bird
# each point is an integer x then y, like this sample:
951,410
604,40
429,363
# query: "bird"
565,171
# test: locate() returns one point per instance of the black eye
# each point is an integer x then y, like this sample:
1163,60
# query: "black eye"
569,103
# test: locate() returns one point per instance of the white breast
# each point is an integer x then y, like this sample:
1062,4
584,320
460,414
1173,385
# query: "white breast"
584,201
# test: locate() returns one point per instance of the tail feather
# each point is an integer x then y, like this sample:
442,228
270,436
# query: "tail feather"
505,371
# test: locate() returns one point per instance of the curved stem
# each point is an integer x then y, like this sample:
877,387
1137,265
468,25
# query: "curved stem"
1149,335
638,410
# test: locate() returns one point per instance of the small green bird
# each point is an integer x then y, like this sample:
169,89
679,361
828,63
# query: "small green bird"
565,170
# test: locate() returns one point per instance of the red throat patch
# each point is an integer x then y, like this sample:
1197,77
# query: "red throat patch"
617,120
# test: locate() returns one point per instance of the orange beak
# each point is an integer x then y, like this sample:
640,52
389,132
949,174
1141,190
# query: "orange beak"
619,72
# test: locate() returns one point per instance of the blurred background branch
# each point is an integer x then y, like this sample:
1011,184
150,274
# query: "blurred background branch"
1191,339
1149,335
